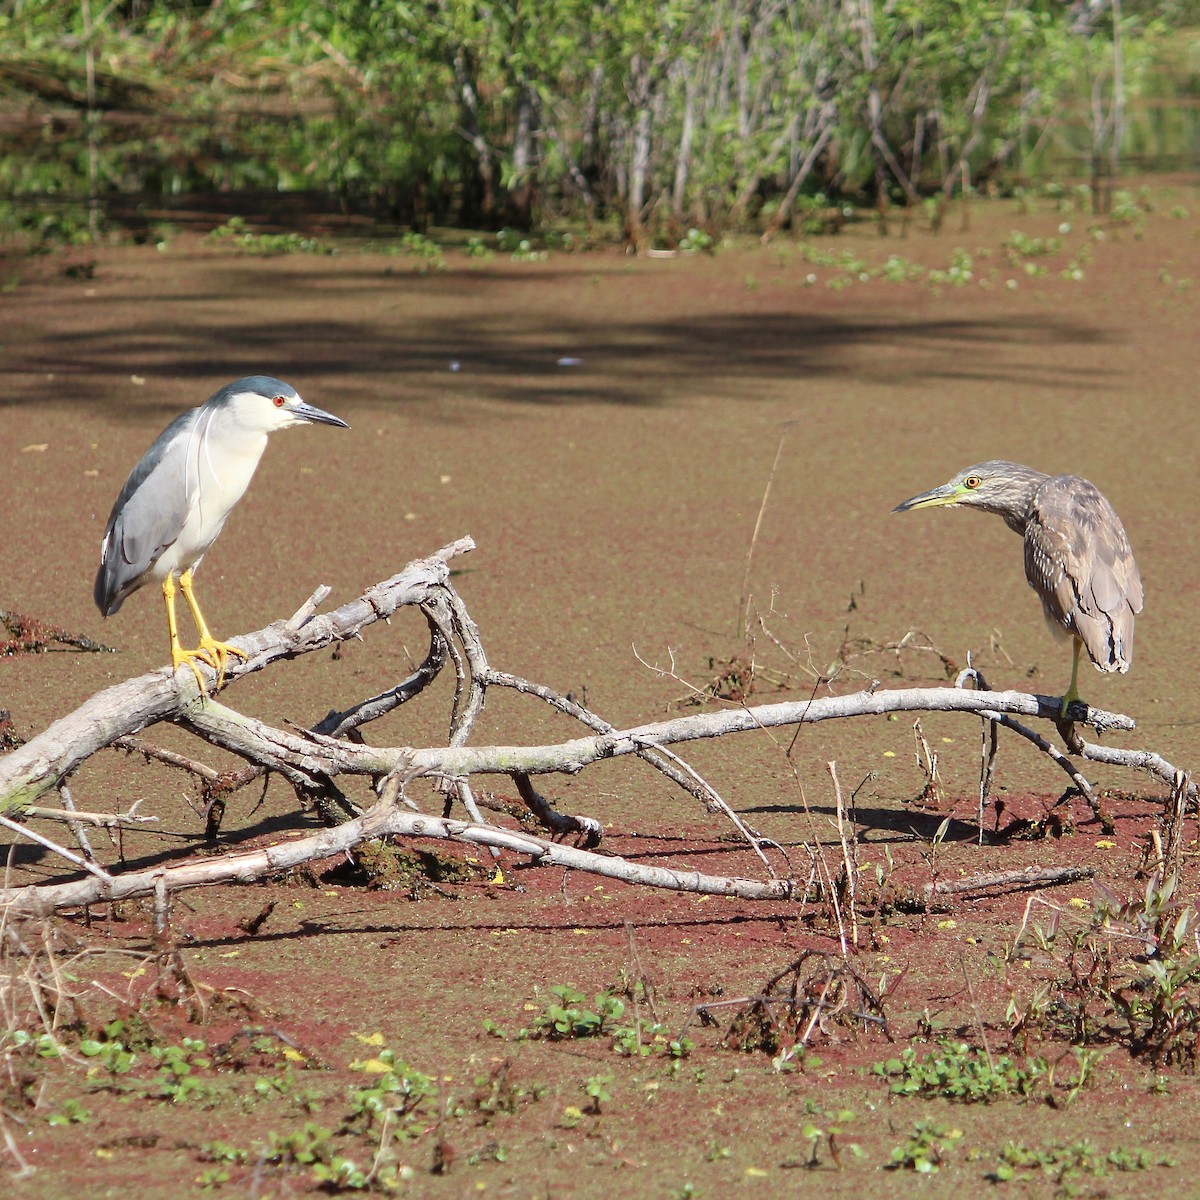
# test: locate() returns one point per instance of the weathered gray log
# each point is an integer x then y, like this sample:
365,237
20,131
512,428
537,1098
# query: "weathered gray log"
37,767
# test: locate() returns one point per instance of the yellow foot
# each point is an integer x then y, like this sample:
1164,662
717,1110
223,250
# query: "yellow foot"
1067,700
218,653
181,657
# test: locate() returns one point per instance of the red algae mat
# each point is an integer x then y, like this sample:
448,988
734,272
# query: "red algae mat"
605,428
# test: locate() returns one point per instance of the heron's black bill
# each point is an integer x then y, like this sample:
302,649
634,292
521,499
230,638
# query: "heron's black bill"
310,412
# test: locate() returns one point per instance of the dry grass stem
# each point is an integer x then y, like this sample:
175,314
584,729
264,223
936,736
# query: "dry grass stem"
744,598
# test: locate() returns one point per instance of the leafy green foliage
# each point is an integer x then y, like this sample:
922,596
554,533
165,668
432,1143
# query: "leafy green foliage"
44,1044
311,1147
960,1072
384,1111
265,245
825,1126
417,245
1112,988
697,240
676,114
1017,246
70,1112
1161,1005
1065,1166
179,1069
567,1017
925,1149
39,226
395,1091
520,247
596,1089
109,1051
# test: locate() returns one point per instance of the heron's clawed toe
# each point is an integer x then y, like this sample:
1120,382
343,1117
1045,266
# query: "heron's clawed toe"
189,658
219,653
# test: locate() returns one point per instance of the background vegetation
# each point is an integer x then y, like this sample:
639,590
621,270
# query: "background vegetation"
669,115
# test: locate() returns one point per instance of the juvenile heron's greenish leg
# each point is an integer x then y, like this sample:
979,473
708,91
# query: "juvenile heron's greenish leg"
1072,693
180,656
211,650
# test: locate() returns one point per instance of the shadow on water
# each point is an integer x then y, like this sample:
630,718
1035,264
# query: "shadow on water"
513,355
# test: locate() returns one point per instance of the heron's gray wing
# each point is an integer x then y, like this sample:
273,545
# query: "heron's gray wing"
148,513
1078,559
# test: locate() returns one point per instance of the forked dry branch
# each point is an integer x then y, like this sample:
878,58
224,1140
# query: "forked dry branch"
315,761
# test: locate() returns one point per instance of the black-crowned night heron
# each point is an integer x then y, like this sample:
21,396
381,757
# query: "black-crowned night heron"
1077,555
175,502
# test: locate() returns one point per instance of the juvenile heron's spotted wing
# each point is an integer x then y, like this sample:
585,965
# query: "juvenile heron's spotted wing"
1079,561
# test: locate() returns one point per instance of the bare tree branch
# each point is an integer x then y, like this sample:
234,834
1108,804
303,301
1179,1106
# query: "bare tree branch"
126,708
315,760
1010,881
381,821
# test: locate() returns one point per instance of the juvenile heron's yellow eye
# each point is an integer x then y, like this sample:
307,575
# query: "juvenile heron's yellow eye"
972,481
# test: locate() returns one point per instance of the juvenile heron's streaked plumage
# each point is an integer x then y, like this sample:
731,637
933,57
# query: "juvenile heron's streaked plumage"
176,500
1077,555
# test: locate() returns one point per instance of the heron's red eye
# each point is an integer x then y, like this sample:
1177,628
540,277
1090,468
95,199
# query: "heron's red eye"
279,401
972,481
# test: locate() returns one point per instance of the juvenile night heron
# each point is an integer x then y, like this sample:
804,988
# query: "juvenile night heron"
175,502
1077,555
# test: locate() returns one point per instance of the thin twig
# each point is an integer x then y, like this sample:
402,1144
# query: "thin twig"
24,831
682,775
989,737
717,801
104,820
849,844
979,1025
744,598
147,750
74,825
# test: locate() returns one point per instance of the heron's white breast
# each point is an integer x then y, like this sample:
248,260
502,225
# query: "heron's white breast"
219,472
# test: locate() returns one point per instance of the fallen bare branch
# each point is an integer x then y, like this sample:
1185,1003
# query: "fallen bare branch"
315,760
1010,881
383,820
304,756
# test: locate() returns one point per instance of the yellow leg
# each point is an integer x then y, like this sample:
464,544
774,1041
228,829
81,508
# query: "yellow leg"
212,650
179,655
1073,691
